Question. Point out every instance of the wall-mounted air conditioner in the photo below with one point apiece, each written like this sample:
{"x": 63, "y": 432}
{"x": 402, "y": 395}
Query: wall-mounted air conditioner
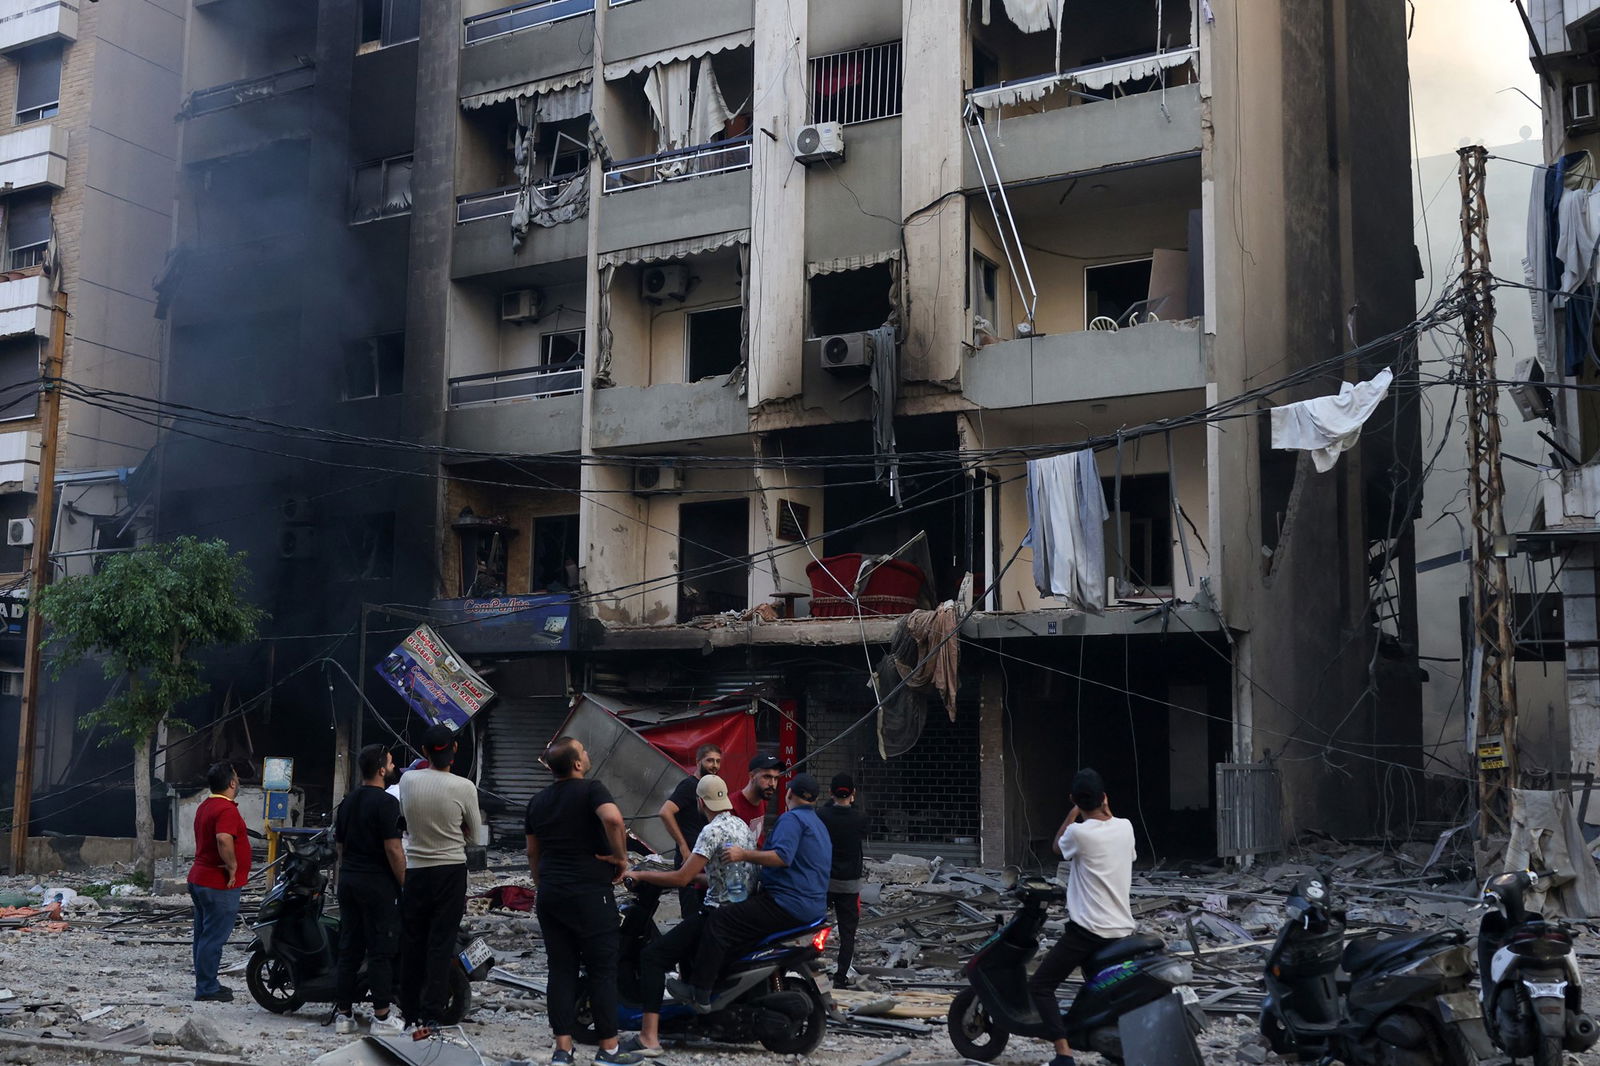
{"x": 520, "y": 305}
{"x": 19, "y": 532}
{"x": 844, "y": 351}
{"x": 658, "y": 284}
{"x": 296, "y": 542}
{"x": 655, "y": 478}
{"x": 821, "y": 142}
{"x": 296, "y": 509}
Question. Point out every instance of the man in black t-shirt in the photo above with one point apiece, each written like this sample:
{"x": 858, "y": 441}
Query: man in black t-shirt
{"x": 847, "y": 829}
{"x": 372, "y": 867}
{"x": 682, "y": 818}
{"x": 576, "y": 852}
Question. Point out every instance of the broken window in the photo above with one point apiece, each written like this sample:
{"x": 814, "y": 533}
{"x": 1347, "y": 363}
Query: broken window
{"x": 1115, "y": 291}
{"x": 19, "y": 374}
{"x": 38, "y": 82}
{"x": 375, "y": 366}
{"x": 848, "y": 301}
{"x": 386, "y": 22}
{"x": 714, "y": 341}
{"x": 364, "y": 546}
{"x": 860, "y": 85}
{"x": 713, "y": 557}
{"x": 1143, "y": 528}
{"x": 985, "y": 295}
{"x": 381, "y": 190}
{"x": 27, "y": 218}
{"x": 1278, "y": 469}
{"x": 561, "y": 349}
{"x": 555, "y": 553}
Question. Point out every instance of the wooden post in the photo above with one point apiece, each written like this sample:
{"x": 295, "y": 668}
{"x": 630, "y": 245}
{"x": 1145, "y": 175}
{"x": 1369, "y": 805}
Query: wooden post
{"x": 38, "y": 578}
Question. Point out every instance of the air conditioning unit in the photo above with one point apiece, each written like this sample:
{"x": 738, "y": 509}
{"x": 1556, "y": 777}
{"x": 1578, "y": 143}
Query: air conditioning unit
{"x": 658, "y": 284}
{"x": 19, "y": 532}
{"x": 296, "y": 509}
{"x": 1529, "y": 393}
{"x": 295, "y": 542}
{"x": 655, "y": 478}
{"x": 844, "y": 351}
{"x": 520, "y": 305}
{"x": 821, "y": 142}
{"x": 1583, "y": 101}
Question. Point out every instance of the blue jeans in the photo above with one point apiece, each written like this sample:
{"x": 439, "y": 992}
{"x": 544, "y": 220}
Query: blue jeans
{"x": 214, "y": 912}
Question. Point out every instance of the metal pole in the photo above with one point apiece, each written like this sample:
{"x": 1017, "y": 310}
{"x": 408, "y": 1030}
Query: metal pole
{"x": 38, "y": 577}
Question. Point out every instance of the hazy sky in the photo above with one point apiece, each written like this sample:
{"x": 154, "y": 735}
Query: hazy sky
{"x": 1463, "y": 53}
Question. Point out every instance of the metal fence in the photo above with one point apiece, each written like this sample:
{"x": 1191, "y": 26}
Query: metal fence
{"x": 860, "y": 85}
{"x": 519, "y": 17}
{"x": 697, "y": 161}
{"x": 1249, "y": 809}
{"x": 235, "y": 93}
{"x": 516, "y": 384}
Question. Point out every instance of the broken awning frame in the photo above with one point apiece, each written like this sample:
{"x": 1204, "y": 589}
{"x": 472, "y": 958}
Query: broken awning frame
{"x": 852, "y": 262}
{"x": 638, "y": 64}
{"x": 561, "y": 94}
{"x": 668, "y": 250}
{"x": 1091, "y": 78}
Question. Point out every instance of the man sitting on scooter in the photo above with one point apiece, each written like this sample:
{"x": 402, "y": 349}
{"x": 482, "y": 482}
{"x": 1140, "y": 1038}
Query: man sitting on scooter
{"x": 1100, "y": 848}
{"x": 795, "y": 878}
{"x": 727, "y": 882}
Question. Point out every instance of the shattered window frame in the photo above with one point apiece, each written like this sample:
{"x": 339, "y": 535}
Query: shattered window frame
{"x": 381, "y": 360}
{"x": 393, "y": 190}
{"x": 377, "y": 20}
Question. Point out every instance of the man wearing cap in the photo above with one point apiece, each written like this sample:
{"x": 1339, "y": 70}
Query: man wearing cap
{"x": 751, "y": 802}
{"x": 847, "y": 829}
{"x": 794, "y": 874}
{"x": 727, "y": 882}
{"x": 680, "y": 814}
{"x": 441, "y": 813}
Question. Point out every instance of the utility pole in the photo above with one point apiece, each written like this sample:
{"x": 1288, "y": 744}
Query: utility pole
{"x": 38, "y": 578}
{"x": 1495, "y": 694}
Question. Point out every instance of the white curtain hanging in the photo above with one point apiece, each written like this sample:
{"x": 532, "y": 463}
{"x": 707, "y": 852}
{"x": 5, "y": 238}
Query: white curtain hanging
{"x": 710, "y": 112}
{"x": 667, "y": 89}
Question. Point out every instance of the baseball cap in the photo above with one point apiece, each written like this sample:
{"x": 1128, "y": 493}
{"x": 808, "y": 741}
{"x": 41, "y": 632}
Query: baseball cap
{"x": 765, "y": 762}
{"x": 842, "y": 783}
{"x": 805, "y": 786}
{"x": 713, "y": 792}
{"x": 438, "y": 737}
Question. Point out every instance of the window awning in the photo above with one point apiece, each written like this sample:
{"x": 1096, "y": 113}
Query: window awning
{"x": 1093, "y": 78}
{"x": 851, "y": 262}
{"x": 623, "y": 67}
{"x": 655, "y": 253}
{"x": 549, "y": 87}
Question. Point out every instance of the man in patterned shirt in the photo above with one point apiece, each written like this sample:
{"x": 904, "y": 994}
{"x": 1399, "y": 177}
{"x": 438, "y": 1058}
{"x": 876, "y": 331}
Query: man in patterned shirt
{"x": 727, "y": 882}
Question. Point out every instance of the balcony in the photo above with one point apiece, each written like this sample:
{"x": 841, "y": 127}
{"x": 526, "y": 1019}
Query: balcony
{"x": 27, "y": 22}
{"x": 531, "y": 426}
{"x": 1085, "y": 137}
{"x": 34, "y": 157}
{"x": 25, "y": 305}
{"x": 676, "y": 195}
{"x": 525, "y": 43}
{"x": 246, "y": 115}
{"x": 482, "y": 243}
{"x": 640, "y": 27}
{"x": 1064, "y": 367}
{"x": 669, "y": 413}
{"x": 534, "y": 382}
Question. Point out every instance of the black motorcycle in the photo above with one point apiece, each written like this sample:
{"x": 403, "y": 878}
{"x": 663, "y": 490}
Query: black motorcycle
{"x": 1122, "y": 977}
{"x": 294, "y": 956}
{"x": 1400, "y": 1001}
{"x": 767, "y": 995}
{"x": 1532, "y": 994}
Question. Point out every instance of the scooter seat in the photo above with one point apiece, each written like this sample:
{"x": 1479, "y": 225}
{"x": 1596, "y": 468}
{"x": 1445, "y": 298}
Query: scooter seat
{"x": 1369, "y": 953}
{"x": 797, "y": 931}
{"x": 1127, "y": 948}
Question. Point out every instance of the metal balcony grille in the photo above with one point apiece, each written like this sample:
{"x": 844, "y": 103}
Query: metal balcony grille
{"x": 1249, "y": 809}
{"x": 235, "y": 93}
{"x": 475, "y": 389}
{"x": 520, "y": 17}
{"x": 860, "y": 85}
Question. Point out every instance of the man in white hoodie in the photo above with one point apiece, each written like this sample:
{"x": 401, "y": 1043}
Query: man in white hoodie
{"x": 1100, "y": 848}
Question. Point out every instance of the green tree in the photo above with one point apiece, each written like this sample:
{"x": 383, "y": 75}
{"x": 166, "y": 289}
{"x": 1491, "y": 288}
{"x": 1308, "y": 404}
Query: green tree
{"x": 144, "y": 614}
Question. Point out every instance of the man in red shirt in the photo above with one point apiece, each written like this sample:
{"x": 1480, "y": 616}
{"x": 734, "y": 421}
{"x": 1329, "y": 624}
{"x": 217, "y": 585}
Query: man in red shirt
{"x": 750, "y": 802}
{"x": 216, "y": 880}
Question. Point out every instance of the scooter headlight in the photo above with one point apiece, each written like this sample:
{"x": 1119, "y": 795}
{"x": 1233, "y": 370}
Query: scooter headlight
{"x": 1173, "y": 972}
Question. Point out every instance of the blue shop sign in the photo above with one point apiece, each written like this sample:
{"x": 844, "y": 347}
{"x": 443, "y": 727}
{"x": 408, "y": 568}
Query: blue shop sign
{"x": 508, "y": 623}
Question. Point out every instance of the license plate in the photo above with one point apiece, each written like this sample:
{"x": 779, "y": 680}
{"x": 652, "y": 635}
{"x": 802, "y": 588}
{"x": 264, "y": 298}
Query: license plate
{"x": 1188, "y": 995}
{"x": 477, "y": 953}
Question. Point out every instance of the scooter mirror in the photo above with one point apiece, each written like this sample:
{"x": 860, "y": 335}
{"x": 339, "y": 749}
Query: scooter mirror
{"x": 1009, "y": 876}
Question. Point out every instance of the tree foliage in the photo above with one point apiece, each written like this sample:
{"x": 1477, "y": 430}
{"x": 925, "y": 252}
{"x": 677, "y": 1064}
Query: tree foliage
{"x": 144, "y": 614}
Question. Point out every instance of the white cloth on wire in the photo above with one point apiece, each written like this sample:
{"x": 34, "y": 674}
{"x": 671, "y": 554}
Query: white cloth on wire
{"x": 1535, "y": 270}
{"x": 1329, "y": 425}
{"x": 1066, "y": 529}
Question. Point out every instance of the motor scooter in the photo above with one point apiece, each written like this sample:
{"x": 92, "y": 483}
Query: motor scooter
{"x": 1400, "y": 1001}
{"x": 293, "y": 958}
{"x": 1122, "y": 977}
{"x": 1532, "y": 993}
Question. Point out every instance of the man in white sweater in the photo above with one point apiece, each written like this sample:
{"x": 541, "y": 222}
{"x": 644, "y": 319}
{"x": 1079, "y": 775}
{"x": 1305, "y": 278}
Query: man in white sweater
{"x": 441, "y": 813}
{"x": 1100, "y": 848}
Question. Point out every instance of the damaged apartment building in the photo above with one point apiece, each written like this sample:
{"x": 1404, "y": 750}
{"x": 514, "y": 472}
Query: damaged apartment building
{"x": 639, "y": 328}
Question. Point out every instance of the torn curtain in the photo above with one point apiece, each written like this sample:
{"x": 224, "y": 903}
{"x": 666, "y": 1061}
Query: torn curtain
{"x": 1066, "y": 529}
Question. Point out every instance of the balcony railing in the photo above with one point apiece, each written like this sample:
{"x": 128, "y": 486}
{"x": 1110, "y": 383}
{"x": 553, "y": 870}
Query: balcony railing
{"x": 520, "y": 17}
{"x": 716, "y": 158}
{"x": 496, "y": 203}
{"x": 532, "y": 382}
{"x": 234, "y": 93}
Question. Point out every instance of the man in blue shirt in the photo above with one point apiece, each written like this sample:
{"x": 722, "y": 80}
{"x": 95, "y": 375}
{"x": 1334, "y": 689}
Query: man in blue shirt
{"x": 794, "y": 877}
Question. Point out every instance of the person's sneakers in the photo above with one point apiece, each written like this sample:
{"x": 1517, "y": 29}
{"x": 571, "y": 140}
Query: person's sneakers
{"x": 390, "y": 1026}
{"x": 1062, "y": 1060}
{"x": 221, "y": 995}
{"x": 617, "y": 1057}
{"x": 702, "y": 999}
{"x": 561, "y": 1058}
{"x": 635, "y": 1046}
{"x": 343, "y": 1024}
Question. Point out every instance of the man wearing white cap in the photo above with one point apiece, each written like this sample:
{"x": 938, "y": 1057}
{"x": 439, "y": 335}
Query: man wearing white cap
{"x": 727, "y": 882}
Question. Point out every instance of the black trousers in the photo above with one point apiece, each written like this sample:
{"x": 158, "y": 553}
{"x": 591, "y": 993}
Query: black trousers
{"x": 691, "y": 900}
{"x": 1075, "y": 948}
{"x": 579, "y": 924}
{"x": 431, "y": 906}
{"x": 735, "y": 928}
{"x": 847, "y": 910}
{"x": 369, "y": 930}
{"x": 676, "y": 945}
